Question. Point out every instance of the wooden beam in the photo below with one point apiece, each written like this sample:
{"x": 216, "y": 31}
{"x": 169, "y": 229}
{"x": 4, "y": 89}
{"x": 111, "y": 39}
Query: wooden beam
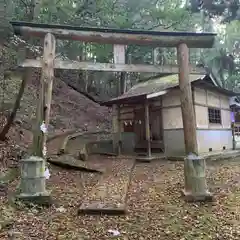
{"x": 116, "y": 36}
{"x": 112, "y": 67}
{"x": 194, "y": 166}
{"x": 157, "y": 94}
{"x": 147, "y": 128}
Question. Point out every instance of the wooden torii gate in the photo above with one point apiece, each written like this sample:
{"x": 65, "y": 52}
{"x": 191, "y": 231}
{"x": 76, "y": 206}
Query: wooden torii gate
{"x": 194, "y": 189}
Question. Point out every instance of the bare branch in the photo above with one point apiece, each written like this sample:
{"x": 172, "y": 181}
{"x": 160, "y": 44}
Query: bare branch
{"x": 24, "y": 3}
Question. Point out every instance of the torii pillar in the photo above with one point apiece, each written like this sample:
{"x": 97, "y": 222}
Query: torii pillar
{"x": 194, "y": 166}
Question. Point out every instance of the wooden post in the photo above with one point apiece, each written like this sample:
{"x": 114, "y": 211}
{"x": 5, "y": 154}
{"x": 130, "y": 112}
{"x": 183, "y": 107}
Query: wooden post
{"x": 189, "y": 122}
{"x": 233, "y": 134}
{"x": 147, "y": 128}
{"x": 119, "y": 58}
{"x": 194, "y": 166}
{"x": 48, "y": 74}
{"x": 33, "y": 168}
{"x": 45, "y": 95}
{"x": 115, "y": 129}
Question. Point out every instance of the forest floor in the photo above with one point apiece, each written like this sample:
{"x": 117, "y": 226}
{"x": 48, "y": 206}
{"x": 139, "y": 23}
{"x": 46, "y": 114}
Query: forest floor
{"x": 155, "y": 207}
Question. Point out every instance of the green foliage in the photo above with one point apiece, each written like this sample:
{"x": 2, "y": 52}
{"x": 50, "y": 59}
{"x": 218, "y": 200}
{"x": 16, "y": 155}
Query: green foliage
{"x": 135, "y": 14}
{"x": 224, "y": 59}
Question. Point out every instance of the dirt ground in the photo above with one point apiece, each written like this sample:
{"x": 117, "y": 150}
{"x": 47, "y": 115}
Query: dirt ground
{"x": 155, "y": 207}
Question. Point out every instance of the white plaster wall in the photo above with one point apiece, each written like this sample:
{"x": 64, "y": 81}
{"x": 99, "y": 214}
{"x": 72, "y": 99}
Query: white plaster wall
{"x": 215, "y": 136}
{"x": 172, "y": 98}
{"x": 200, "y": 96}
{"x": 172, "y": 115}
{"x": 226, "y": 118}
{"x": 215, "y": 139}
{"x": 224, "y": 102}
{"x": 213, "y": 99}
{"x": 172, "y": 118}
{"x": 205, "y": 99}
{"x": 201, "y": 114}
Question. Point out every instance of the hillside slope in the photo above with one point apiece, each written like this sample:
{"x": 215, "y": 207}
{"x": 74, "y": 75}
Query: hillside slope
{"x": 69, "y": 109}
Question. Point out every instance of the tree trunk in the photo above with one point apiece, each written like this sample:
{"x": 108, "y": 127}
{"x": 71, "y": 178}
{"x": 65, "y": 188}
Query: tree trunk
{"x": 35, "y": 4}
{"x": 12, "y": 116}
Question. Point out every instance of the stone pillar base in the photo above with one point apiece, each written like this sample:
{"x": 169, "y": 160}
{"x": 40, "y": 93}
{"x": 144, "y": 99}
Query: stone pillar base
{"x": 197, "y": 197}
{"x": 43, "y": 199}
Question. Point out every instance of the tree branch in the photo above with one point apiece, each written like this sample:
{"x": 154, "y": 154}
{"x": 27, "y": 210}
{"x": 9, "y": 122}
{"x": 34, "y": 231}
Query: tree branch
{"x": 24, "y": 3}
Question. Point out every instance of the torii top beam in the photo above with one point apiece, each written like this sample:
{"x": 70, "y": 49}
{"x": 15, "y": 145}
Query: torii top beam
{"x": 116, "y": 36}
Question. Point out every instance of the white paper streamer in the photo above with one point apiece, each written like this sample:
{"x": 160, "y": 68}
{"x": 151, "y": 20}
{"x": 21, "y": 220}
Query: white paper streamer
{"x": 47, "y": 173}
{"x": 43, "y": 127}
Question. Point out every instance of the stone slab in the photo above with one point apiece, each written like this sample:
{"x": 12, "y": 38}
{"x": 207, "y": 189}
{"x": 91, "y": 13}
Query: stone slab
{"x": 109, "y": 195}
{"x": 145, "y": 159}
{"x": 43, "y": 199}
{"x": 69, "y": 162}
{"x": 190, "y": 197}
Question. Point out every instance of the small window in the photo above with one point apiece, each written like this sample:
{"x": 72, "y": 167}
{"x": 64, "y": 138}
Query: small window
{"x": 214, "y": 115}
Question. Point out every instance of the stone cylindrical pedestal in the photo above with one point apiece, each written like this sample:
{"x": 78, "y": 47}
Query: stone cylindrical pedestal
{"x": 195, "y": 179}
{"x": 33, "y": 181}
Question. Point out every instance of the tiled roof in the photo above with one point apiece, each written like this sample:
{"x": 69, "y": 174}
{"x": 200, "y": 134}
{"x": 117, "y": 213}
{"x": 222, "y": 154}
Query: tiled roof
{"x": 159, "y": 84}
{"x": 155, "y": 85}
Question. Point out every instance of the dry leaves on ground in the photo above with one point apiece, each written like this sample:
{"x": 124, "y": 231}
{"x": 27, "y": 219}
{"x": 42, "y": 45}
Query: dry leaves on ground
{"x": 156, "y": 210}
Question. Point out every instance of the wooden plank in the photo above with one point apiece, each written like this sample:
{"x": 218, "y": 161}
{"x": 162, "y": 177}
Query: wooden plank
{"x": 127, "y": 116}
{"x": 112, "y": 67}
{"x": 109, "y": 195}
{"x": 157, "y": 94}
{"x": 126, "y": 111}
{"x": 69, "y": 162}
{"x": 117, "y": 36}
